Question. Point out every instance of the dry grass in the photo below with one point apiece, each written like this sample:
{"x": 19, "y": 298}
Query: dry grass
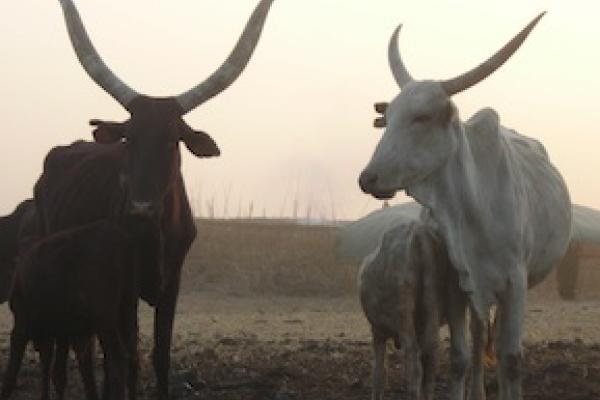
{"x": 267, "y": 257}
{"x": 271, "y": 257}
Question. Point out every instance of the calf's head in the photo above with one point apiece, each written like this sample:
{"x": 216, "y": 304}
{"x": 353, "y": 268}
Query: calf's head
{"x": 422, "y": 122}
{"x": 152, "y": 134}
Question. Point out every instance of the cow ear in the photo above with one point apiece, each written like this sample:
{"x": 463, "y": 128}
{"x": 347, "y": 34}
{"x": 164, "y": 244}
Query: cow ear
{"x": 200, "y": 143}
{"x": 107, "y": 132}
{"x": 380, "y": 108}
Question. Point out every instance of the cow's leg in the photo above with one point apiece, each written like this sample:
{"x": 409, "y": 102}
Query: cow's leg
{"x": 477, "y": 388}
{"x": 429, "y": 354}
{"x": 133, "y": 369}
{"x": 379, "y": 364}
{"x": 459, "y": 358}
{"x": 105, "y": 382}
{"x": 59, "y": 369}
{"x": 85, "y": 350}
{"x": 510, "y": 316}
{"x": 18, "y": 343}
{"x": 163, "y": 331}
{"x": 115, "y": 363}
{"x": 129, "y": 332}
{"x": 46, "y": 352}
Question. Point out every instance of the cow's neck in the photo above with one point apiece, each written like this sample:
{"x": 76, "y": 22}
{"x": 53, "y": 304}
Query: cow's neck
{"x": 465, "y": 197}
{"x": 452, "y": 190}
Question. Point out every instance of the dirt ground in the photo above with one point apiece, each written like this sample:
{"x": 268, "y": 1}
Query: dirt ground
{"x": 288, "y": 348}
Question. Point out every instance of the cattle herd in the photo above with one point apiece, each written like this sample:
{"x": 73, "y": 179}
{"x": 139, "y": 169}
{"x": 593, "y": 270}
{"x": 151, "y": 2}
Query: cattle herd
{"x": 110, "y": 224}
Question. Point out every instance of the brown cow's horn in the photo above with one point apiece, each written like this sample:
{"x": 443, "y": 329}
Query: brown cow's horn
{"x": 91, "y": 60}
{"x": 397, "y": 66}
{"x": 231, "y": 69}
{"x": 484, "y": 70}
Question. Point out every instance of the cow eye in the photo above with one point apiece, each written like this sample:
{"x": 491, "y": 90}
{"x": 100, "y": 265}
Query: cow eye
{"x": 421, "y": 119}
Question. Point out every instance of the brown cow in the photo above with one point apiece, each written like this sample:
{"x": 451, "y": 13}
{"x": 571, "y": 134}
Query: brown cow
{"x": 69, "y": 286}
{"x": 135, "y": 171}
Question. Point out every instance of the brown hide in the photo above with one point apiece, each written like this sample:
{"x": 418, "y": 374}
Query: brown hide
{"x": 73, "y": 284}
{"x": 14, "y": 228}
{"x": 81, "y": 183}
{"x": 151, "y": 159}
{"x": 136, "y": 171}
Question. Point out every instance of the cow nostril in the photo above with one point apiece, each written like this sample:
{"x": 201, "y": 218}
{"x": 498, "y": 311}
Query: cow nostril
{"x": 367, "y": 181}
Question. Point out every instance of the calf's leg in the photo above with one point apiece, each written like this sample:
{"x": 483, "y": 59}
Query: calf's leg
{"x": 459, "y": 359}
{"x": 59, "y": 369}
{"x": 85, "y": 350}
{"x": 429, "y": 354}
{"x": 477, "y": 388}
{"x": 115, "y": 363}
{"x": 18, "y": 343}
{"x": 129, "y": 331}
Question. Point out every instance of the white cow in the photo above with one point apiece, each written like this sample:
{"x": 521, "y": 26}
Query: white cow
{"x": 405, "y": 286}
{"x": 502, "y": 208}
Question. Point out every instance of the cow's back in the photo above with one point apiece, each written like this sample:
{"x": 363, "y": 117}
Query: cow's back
{"x": 79, "y": 185}
{"x": 69, "y": 277}
{"x": 548, "y": 215}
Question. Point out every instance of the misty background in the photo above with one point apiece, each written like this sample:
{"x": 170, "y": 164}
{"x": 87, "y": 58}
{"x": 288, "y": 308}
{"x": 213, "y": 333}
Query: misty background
{"x": 296, "y": 128}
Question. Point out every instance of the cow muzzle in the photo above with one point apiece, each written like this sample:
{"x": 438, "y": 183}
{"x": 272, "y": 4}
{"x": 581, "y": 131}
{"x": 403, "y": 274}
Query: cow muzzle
{"x": 144, "y": 209}
{"x": 368, "y": 182}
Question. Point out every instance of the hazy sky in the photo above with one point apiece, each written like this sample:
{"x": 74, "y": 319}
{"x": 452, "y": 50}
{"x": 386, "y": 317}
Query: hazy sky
{"x": 298, "y": 123}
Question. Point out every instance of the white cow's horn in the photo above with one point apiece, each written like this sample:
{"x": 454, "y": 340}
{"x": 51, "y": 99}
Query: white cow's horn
{"x": 396, "y": 65}
{"x": 231, "y": 69}
{"x": 482, "y": 71}
{"x": 91, "y": 60}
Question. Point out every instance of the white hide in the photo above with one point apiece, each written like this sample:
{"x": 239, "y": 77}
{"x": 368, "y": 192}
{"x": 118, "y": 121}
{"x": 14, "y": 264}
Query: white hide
{"x": 382, "y": 275}
{"x": 357, "y": 239}
{"x": 502, "y": 207}
{"x": 403, "y": 287}
{"x": 409, "y": 257}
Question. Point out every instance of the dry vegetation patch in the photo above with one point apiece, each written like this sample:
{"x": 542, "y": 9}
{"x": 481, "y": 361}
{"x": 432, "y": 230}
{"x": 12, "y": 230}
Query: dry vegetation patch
{"x": 267, "y": 257}
{"x": 279, "y": 257}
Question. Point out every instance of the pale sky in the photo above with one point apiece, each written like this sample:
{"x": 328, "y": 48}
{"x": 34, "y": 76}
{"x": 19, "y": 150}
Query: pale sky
{"x": 298, "y": 123}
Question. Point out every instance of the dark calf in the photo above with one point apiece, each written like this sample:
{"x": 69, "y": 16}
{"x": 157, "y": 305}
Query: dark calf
{"x": 13, "y": 229}
{"x": 69, "y": 286}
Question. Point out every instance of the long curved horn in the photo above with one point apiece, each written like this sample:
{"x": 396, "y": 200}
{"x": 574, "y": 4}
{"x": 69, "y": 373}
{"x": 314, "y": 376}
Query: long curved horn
{"x": 485, "y": 69}
{"x": 231, "y": 69}
{"x": 91, "y": 60}
{"x": 397, "y": 66}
